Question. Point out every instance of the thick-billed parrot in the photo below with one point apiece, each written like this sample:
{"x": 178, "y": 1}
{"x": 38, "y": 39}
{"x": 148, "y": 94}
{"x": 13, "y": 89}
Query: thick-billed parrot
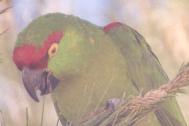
{"x": 83, "y": 66}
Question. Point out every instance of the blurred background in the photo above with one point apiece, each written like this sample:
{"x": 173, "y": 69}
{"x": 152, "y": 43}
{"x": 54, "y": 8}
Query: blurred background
{"x": 164, "y": 24}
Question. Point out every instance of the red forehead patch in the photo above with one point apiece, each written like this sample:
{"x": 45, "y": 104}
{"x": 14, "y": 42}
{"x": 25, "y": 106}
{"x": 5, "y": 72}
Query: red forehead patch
{"x": 32, "y": 57}
{"x": 52, "y": 38}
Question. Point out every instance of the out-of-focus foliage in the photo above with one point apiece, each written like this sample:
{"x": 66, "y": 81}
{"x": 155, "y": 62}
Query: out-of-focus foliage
{"x": 164, "y": 24}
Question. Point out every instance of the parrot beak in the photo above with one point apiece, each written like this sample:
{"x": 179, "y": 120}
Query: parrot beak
{"x": 41, "y": 80}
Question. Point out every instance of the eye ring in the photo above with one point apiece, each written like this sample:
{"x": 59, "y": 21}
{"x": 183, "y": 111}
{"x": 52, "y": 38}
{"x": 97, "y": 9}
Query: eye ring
{"x": 53, "y": 49}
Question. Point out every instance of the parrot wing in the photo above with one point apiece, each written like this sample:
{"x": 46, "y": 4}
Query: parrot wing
{"x": 144, "y": 70}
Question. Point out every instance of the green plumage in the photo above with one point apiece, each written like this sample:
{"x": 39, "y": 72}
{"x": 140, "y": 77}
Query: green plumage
{"x": 95, "y": 66}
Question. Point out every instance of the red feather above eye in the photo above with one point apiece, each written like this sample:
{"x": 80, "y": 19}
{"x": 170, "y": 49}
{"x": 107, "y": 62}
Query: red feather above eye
{"x": 30, "y": 56}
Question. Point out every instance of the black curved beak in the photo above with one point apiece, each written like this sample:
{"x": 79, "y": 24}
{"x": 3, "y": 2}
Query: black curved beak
{"x": 41, "y": 80}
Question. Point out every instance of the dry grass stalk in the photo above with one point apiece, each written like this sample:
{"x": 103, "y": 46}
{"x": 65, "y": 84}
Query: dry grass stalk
{"x": 137, "y": 108}
{"x": 43, "y": 111}
{"x": 2, "y": 119}
{"x": 58, "y": 120}
{"x": 27, "y": 117}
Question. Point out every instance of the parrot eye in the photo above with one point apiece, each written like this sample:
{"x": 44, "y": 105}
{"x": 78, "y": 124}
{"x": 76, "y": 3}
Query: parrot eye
{"x": 53, "y": 49}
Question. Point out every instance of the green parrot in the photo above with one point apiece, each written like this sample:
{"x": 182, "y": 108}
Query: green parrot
{"x": 83, "y": 66}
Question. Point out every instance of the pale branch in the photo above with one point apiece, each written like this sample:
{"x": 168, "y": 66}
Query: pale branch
{"x": 134, "y": 110}
{"x": 1, "y": 12}
{"x": 5, "y": 9}
{"x": 4, "y": 31}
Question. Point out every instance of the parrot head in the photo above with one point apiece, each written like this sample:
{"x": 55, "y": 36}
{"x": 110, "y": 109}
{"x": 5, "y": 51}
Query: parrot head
{"x": 47, "y": 48}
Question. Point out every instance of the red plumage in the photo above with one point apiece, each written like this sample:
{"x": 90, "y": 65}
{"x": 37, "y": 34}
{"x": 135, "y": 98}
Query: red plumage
{"x": 112, "y": 25}
{"x": 32, "y": 57}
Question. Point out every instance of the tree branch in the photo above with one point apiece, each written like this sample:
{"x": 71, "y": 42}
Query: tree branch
{"x": 129, "y": 113}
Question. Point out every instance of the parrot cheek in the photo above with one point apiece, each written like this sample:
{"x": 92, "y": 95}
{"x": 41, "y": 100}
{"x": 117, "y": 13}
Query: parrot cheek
{"x": 41, "y": 80}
